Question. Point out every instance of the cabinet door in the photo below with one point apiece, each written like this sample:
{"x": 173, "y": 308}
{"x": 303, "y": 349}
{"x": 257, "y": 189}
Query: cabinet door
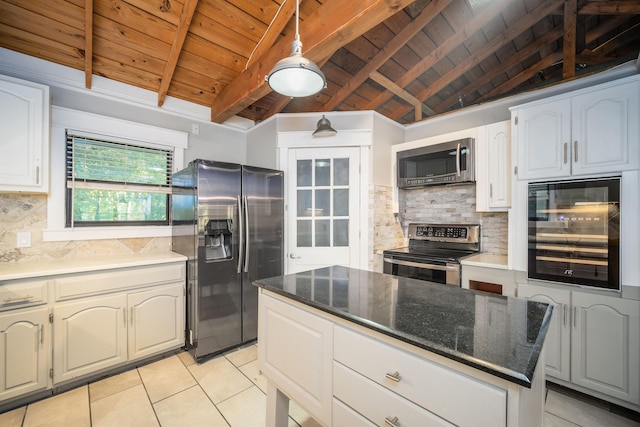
{"x": 24, "y": 346}
{"x": 89, "y": 335}
{"x": 543, "y": 136}
{"x": 295, "y": 353}
{"x": 557, "y": 352}
{"x": 24, "y": 130}
{"x": 605, "y": 345}
{"x": 605, "y": 130}
{"x": 499, "y": 144}
{"x": 156, "y": 321}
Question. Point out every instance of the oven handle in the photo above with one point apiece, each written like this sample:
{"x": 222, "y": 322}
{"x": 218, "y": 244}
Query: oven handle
{"x": 423, "y": 265}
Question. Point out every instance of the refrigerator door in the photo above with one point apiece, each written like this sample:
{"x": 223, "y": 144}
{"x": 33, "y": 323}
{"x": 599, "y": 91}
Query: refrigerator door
{"x": 218, "y": 296}
{"x": 263, "y": 203}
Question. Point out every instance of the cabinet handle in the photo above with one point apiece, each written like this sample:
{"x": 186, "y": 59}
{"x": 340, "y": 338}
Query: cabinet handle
{"x": 575, "y": 151}
{"x": 18, "y": 299}
{"x": 491, "y": 191}
{"x": 37, "y": 175}
{"x": 393, "y": 377}
{"x": 574, "y": 318}
{"x": 41, "y": 334}
{"x": 131, "y": 317}
{"x": 393, "y": 422}
{"x": 124, "y": 315}
{"x": 564, "y": 314}
{"x": 565, "y": 153}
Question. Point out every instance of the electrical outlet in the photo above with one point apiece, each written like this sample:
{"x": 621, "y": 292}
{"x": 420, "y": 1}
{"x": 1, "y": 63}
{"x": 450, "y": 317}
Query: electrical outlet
{"x": 23, "y": 239}
{"x": 195, "y": 128}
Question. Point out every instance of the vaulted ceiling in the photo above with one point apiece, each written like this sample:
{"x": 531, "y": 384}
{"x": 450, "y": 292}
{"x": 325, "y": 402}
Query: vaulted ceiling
{"x": 406, "y": 59}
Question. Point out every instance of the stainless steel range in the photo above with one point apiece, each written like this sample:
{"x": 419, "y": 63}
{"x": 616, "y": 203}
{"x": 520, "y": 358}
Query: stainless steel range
{"x": 434, "y": 252}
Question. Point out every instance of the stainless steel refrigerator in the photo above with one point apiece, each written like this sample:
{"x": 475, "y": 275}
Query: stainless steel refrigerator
{"x": 228, "y": 219}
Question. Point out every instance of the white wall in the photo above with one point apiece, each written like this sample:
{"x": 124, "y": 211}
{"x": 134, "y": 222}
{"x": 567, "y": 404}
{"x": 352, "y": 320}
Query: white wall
{"x": 121, "y": 101}
{"x": 262, "y": 144}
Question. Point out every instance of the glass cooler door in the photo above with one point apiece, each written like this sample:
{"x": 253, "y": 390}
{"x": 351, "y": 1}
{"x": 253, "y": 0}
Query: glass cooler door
{"x": 574, "y": 232}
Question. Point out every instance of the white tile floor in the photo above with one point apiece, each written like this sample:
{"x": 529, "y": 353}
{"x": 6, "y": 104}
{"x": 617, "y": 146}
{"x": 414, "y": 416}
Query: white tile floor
{"x": 226, "y": 391}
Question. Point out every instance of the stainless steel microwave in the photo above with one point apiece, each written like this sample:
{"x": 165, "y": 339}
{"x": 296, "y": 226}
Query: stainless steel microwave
{"x": 444, "y": 163}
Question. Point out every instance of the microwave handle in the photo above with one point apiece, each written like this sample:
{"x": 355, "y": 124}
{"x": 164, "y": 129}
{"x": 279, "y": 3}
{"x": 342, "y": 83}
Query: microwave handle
{"x": 458, "y": 160}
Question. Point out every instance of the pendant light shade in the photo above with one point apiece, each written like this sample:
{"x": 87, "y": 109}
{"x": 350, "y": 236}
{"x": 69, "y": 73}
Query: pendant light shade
{"x": 296, "y": 76}
{"x": 324, "y": 128}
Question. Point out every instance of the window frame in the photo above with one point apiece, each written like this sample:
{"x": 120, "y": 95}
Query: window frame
{"x": 111, "y": 129}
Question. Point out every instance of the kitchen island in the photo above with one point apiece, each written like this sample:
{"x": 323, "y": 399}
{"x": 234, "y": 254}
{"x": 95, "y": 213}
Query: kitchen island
{"x": 360, "y": 348}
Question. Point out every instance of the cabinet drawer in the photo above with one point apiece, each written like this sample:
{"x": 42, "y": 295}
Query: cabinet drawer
{"x": 345, "y": 416}
{"x": 20, "y": 294}
{"x": 377, "y": 403}
{"x": 429, "y": 384}
{"x": 84, "y": 284}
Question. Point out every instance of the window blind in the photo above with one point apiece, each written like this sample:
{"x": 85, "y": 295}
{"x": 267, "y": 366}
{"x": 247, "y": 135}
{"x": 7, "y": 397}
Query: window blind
{"x": 105, "y": 165}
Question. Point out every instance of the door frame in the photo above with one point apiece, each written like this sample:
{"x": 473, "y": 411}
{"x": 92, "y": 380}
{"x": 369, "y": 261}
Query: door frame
{"x": 345, "y": 138}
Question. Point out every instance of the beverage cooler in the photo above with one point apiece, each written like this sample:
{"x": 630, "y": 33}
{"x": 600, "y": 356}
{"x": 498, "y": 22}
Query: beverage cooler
{"x": 574, "y": 232}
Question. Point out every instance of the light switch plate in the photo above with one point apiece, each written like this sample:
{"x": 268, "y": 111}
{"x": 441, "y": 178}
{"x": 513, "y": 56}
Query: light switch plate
{"x": 24, "y": 239}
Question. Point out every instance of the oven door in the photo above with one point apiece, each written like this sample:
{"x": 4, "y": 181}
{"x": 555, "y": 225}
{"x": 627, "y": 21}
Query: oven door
{"x": 436, "y": 271}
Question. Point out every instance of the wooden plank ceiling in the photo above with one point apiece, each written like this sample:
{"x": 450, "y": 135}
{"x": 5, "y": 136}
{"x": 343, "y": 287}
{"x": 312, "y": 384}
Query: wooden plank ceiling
{"x": 406, "y": 59}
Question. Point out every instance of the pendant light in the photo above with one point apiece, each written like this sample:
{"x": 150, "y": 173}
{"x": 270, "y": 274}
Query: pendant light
{"x": 296, "y": 76}
{"x": 324, "y": 128}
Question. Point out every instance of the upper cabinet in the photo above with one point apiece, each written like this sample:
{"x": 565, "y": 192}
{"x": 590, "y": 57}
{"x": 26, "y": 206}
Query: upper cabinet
{"x": 493, "y": 167}
{"x": 589, "y": 131}
{"x": 24, "y": 136}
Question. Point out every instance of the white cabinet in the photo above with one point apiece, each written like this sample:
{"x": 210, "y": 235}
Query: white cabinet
{"x": 343, "y": 376}
{"x": 593, "y": 341}
{"x": 24, "y": 350}
{"x": 493, "y": 167}
{"x": 430, "y": 386}
{"x": 156, "y": 321}
{"x": 97, "y": 333}
{"x": 558, "y": 340}
{"x": 295, "y": 353}
{"x": 24, "y": 136}
{"x": 590, "y": 131}
{"x": 89, "y": 335}
{"x": 605, "y": 344}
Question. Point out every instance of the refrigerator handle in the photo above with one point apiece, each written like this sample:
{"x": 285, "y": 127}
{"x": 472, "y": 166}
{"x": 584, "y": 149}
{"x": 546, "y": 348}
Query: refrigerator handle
{"x": 246, "y": 235}
{"x": 240, "y": 229}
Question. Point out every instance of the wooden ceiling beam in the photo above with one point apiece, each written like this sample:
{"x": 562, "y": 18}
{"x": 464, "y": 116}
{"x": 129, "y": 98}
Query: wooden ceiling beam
{"x": 475, "y": 25}
{"x": 88, "y": 43}
{"x": 490, "y": 48}
{"x": 188, "y": 9}
{"x": 431, "y": 11}
{"x": 334, "y": 24}
{"x": 569, "y": 40}
{"x": 610, "y": 7}
{"x": 401, "y": 93}
{"x": 525, "y": 75}
{"x": 273, "y": 32}
{"x": 511, "y": 61}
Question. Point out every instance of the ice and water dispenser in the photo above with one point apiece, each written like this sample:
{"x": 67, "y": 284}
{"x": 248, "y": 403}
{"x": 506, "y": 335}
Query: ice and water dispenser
{"x": 217, "y": 238}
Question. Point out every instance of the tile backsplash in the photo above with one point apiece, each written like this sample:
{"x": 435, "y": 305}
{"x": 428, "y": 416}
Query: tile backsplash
{"x": 28, "y": 212}
{"x": 454, "y": 204}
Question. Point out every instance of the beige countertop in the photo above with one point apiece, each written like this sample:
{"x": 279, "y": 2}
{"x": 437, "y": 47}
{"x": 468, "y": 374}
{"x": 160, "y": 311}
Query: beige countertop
{"x": 486, "y": 260}
{"x": 24, "y": 270}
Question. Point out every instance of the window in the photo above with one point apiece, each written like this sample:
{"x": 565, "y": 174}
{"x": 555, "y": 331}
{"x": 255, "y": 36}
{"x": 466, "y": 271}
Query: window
{"x": 114, "y": 183}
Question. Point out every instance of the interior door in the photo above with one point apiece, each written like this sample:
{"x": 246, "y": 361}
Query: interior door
{"x": 323, "y": 209}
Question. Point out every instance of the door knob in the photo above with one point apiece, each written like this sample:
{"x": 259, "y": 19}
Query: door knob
{"x": 293, "y": 256}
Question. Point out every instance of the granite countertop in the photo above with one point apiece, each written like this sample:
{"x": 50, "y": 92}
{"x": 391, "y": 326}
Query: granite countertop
{"x": 25, "y": 270}
{"x": 497, "y": 334}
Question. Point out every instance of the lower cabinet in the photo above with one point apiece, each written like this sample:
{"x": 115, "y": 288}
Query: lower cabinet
{"x": 24, "y": 352}
{"x": 343, "y": 377}
{"x": 593, "y": 341}
{"x": 89, "y": 335}
{"x": 97, "y": 333}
